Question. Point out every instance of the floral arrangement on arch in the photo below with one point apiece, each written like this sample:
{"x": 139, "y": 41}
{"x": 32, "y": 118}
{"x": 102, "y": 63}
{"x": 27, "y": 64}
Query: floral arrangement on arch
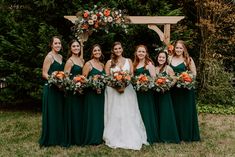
{"x": 97, "y": 19}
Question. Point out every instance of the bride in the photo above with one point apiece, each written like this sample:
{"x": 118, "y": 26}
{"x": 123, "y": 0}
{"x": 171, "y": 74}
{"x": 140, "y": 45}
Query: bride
{"x": 123, "y": 126}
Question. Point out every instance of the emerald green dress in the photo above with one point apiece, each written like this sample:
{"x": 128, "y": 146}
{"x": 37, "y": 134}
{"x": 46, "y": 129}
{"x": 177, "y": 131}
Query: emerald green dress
{"x": 52, "y": 112}
{"x": 185, "y": 110}
{"x": 148, "y": 110}
{"x": 167, "y": 123}
{"x": 74, "y": 113}
{"x": 93, "y": 123}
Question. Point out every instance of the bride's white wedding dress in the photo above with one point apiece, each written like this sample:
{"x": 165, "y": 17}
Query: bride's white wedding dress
{"x": 123, "y": 125}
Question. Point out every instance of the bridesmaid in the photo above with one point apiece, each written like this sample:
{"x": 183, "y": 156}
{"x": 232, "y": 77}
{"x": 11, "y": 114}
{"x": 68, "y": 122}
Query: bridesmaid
{"x": 52, "y": 100}
{"x": 184, "y": 99}
{"x": 143, "y": 65}
{"x": 74, "y": 102}
{"x": 167, "y": 124}
{"x": 93, "y": 103}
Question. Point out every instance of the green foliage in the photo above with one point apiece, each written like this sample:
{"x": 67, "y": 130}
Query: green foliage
{"x": 216, "y": 109}
{"x": 218, "y": 88}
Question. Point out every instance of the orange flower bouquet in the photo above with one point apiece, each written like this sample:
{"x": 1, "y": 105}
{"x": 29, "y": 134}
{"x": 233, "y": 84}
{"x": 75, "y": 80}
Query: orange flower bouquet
{"x": 119, "y": 80}
{"x": 57, "y": 78}
{"x": 80, "y": 82}
{"x": 186, "y": 80}
{"x": 142, "y": 82}
{"x": 97, "y": 82}
{"x": 162, "y": 83}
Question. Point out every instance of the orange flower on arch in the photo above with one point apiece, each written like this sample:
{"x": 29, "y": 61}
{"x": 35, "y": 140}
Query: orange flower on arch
{"x": 107, "y": 12}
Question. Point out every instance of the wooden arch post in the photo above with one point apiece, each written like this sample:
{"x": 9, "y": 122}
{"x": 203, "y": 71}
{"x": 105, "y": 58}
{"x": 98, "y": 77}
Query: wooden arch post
{"x": 151, "y": 21}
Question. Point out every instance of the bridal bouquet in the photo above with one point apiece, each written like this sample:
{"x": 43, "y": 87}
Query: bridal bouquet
{"x": 80, "y": 82}
{"x": 186, "y": 80}
{"x": 162, "y": 83}
{"x": 119, "y": 80}
{"x": 97, "y": 82}
{"x": 142, "y": 82}
{"x": 57, "y": 78}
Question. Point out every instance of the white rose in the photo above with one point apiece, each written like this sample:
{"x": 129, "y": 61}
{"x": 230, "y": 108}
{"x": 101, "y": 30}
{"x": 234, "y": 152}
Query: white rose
{"x": 90, "y": 22}
{"x": 110, "y": 19}
{"x": 94, "y": 17}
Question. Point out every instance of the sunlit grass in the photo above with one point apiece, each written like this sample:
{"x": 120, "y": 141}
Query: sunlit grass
{"x": 20, "y": 131}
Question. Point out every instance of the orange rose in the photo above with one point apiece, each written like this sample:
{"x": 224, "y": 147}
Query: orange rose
{"x": 184, "y": 74}
{"x": 128, "y": 77}
{"x": 143, "y": 78}
{"x": 188, "y": 79}
{"x": 161, "y": 80}
{"x": 86, "y": 14}
{"x": 60, "y": 75}
{"x": 85, "y": 26}
{"x": 170, "y": 47}
{"x": 77, "y": 79}
{"x": 107, "y": 12}
{"x": 96, "y": 25}
{"x": 118, "y": 77}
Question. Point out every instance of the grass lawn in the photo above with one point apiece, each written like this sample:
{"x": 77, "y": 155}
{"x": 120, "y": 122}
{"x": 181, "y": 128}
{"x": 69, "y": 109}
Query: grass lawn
{"x": 20, "y": 131}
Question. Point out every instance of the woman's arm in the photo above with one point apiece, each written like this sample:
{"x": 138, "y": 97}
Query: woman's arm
{"x": 107, "y": 67}
{"x": 68, "y": 66}
{"x": 86, "y": 69}
{"x": 192, "y": 67}
{"x": 46, "y": 65}
{"x": 151, "y": 69}
{"x": 131, "y": 67}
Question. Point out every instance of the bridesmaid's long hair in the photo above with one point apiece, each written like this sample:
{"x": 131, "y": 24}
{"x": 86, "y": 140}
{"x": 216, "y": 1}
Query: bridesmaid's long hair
{"x": 113, "y": 55}
{"x": 69, "y": 48}
{"x": 147, "y": 58}
{"x": 165, "y": 64}
{"x": 187, "y": 58}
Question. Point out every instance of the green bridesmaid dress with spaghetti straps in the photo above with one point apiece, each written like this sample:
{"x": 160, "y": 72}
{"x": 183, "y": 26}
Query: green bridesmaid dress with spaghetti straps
{"x": 185, "y": 110}
{"x": 52, "y": 112}
{"x": 93, "y": 124}
{"x": 167, "y": 124}
{"x": 74, "y": 104}
{"x": 148, "y": 110}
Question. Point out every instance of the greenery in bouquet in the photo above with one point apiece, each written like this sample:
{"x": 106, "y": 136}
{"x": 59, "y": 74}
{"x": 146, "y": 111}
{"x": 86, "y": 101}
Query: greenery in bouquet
{"x": 142, "y": 82}
{"x": 186, "y": 80}
{"x": 119, "y": 80}
{"x": 57, "y": 78}
{"x": 98, "y": 18}
{"x": 80, "y": 83}
{"x": 162, "y": 83}
{"x": 97, "y": 82}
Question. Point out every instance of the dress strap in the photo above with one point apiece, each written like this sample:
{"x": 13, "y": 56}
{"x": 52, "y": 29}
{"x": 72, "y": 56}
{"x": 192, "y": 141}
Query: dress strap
{"x": 71, "y": 61}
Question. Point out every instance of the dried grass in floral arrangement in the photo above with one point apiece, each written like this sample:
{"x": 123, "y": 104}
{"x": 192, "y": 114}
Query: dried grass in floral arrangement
{"x": 162, "y": 83}
{"x": 142, "y": 82}
{"x": 80, "y": 83}
{"x": 186, "y": 80}
{"x": 119, "y": 80}
{"x": 97, "y": 82}
{"x": 57, "y": 78}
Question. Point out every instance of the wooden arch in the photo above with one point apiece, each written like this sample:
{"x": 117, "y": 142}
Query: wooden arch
{"x": 151, "y": 21}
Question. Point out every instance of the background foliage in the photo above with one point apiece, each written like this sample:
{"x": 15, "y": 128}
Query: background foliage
{"x": 27, "y": 26}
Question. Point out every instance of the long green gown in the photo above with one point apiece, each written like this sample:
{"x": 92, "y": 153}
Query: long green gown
{"x": 148, "y": 110}
{"x": 74, "y": 113}
{"x": 167, "y": 123}
{"x": 185, "y": 110}
{"x": 93, "y": 123}
{"x": 52, "y": 112}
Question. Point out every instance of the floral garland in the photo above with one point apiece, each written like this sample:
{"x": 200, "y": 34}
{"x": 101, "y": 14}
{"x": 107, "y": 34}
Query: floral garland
{"x": 98, "y": 19}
